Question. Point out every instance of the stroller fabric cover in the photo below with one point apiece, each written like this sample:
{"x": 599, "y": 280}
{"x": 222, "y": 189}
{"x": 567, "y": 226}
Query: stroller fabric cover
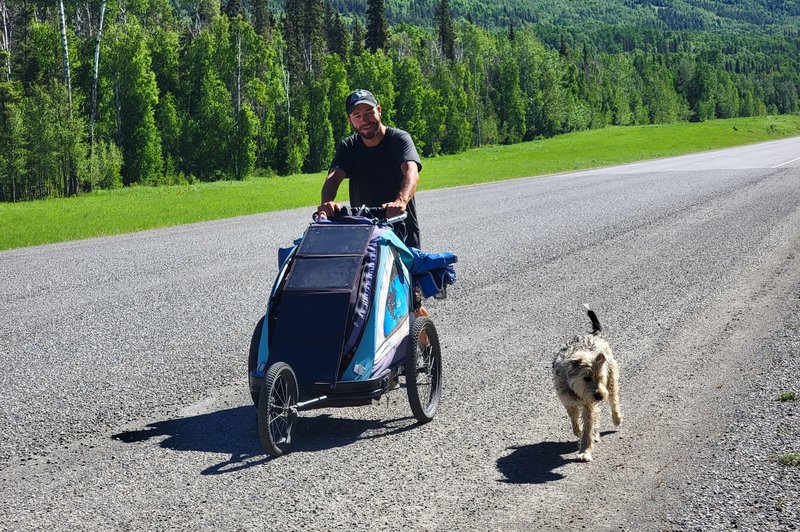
{"x": 345, "y": 292}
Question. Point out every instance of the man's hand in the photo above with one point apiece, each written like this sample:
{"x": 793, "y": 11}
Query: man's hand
{"x": 394, "y": 208}
{"x": 328, "y": 209}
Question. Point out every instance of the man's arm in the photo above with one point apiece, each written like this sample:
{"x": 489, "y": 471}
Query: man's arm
{"x": 330, "y": 187}
{"x": 407, "y": 189}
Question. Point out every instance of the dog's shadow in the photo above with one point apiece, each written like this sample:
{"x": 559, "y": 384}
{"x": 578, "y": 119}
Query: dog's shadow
{"x": 537, "y": 463}
{"x": 234, "y": 432}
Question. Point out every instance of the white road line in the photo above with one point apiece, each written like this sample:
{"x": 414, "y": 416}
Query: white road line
{"x": 787, "y": 162}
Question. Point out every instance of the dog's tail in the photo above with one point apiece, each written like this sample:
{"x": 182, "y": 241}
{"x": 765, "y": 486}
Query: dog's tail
{"x": 596, "y": 327}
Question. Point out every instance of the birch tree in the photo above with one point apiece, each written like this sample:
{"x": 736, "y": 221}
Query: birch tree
{"x": 95, "y": 72}
{"x": 65, "y": 49}
{"x": 5, "y": 41}
{"x": 71, "y": 174}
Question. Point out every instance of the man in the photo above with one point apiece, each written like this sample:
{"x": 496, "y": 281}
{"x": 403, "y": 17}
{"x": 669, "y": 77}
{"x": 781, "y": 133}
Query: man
{"x": 381, "y": 163}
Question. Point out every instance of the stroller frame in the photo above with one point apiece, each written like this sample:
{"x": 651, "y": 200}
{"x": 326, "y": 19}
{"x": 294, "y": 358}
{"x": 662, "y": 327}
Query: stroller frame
{"x": 340, "y": 328}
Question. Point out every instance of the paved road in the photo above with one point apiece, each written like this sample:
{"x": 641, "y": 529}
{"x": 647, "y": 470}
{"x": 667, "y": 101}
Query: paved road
{"x": 123, "y": 390}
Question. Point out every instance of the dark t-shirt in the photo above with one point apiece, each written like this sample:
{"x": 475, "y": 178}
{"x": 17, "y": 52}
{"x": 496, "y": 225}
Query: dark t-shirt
{"x": 375, "y": 174}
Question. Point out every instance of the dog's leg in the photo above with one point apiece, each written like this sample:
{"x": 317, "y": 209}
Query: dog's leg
{"x": 613, "y": 393}
{"x": 589, "y": 428}
{"x": 575, "y": 419}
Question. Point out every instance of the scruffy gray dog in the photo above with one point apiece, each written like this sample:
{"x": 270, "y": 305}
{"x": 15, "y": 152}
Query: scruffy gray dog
{"x": 585, "y": 374}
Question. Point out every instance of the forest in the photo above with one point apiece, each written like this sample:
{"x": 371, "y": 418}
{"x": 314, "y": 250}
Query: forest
{"x": 98, "y": 94}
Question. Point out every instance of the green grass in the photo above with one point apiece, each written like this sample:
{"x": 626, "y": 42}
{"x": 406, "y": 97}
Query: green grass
{"x": 785, "y": 397}
{"x": 137, "y": 208}
{"x": 788, "y": 459}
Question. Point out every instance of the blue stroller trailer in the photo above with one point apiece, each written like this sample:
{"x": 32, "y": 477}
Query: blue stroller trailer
{"x": 340, "y": 327}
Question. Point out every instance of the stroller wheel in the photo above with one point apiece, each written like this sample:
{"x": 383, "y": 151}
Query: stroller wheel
{"x": 276, "y": 418}
{"x": 423, "y": 369}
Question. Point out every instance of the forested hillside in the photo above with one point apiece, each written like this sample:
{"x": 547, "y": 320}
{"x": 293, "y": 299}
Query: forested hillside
{"x": 731, "y": 15}
{"x": 100, "y": 94}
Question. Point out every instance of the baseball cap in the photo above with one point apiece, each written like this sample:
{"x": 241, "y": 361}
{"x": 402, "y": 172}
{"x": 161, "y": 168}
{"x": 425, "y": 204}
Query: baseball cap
{"x": 359, "y": 96}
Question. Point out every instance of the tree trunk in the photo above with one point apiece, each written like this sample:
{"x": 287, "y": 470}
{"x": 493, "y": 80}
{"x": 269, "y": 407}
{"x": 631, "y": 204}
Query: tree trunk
{"x": 6, "y": 43}
{"x": 287, "y": 92}
{"x": 71, "y": 175}
{"x": 239, "y": 70}
{"x": 65, "y": 48}
{"x": 94, "y": 79}
{"x": 238, "y": 154}
{"x": 117, "y": 109}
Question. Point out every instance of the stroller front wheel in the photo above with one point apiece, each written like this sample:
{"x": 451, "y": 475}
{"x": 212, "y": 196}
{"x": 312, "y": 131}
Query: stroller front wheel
{"x": 423, "y": 369}
{"x": 276, "y": 413}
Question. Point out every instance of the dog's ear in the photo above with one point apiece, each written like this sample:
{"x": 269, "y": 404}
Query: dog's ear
{"x": 600, "y": 359}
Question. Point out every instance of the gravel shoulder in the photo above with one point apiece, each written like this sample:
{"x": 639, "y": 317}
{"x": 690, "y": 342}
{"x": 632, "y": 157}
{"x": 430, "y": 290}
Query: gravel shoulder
{"x": 740, "y": 485}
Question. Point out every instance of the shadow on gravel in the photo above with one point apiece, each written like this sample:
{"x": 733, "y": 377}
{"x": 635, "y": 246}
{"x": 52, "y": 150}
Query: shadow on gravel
{"x": 536, "y": 464}
{"x": 234, "y": 432}
{"x": 315, "y": 433}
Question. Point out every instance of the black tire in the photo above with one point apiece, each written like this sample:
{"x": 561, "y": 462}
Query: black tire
{"x": 276, "y": 417}
{"x": 252, "y": 358}
{"x": 423, "y": 370}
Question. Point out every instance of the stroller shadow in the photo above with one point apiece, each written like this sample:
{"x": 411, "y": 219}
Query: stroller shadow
{"x": 537, "y": 463}
{"x": 234, "y": 432}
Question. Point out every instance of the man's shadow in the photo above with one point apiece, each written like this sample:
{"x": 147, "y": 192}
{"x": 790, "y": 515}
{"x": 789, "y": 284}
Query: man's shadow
{"x": 537, "y": 463}
{"x": 234, "y": 432}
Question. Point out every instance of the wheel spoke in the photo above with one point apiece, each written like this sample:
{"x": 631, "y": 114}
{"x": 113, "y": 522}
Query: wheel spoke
{"x": 280, "y": 392}
{"x": 423, "y": 375}
{"x": 279, "y": 411}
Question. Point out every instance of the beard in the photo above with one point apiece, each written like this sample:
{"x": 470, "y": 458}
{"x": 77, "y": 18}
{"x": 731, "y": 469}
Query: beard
{"x": 368, "y": 132}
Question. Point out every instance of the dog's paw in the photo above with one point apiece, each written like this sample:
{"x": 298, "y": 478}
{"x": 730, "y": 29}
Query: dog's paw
{"x": 585, "y": 456}
{"x": 616, "y": 417}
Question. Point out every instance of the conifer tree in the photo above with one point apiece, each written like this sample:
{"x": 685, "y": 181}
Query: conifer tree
{"x": 446, "y": 34}
{"x": 263, "y": 20}
{"x": 377, "y": 26}
{"x": 358, "y": 38}
{"x": 292, "y": 38}
{"x": 336, "y": 35}
{"x": 233, "y": 8}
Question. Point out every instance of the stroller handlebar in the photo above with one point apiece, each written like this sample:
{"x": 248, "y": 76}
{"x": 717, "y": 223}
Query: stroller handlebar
{"x": 377, "y": 214}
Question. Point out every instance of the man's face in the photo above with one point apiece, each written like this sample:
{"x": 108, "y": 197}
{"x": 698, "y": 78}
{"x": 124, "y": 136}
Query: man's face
{"x": 366, "y": 120}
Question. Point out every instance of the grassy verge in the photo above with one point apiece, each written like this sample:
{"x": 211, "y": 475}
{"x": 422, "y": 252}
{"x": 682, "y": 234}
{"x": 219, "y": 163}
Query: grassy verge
{"x": 137, "y": 208}
{"x": 785, "y": 397}
{"x": 788, "y": 459}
